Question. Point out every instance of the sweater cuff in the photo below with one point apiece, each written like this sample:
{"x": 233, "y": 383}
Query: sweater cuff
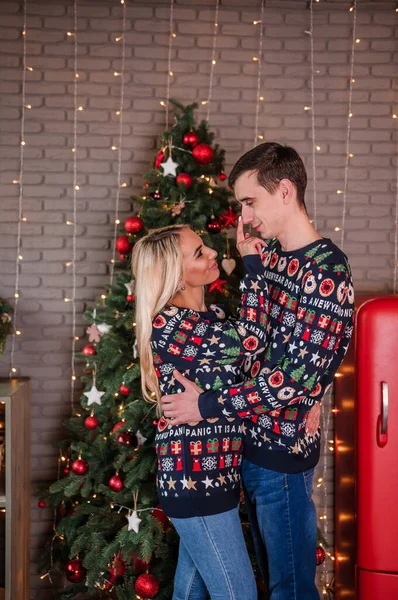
{"x": 253, "y": 265}
{"x": 208, "y": 405}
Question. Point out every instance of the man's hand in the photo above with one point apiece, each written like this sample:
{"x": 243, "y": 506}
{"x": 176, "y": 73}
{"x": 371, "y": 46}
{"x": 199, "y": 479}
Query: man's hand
{"x": 247, "y": 244}
{"x": 313, "y": 419}
{"x": 183, "y": 407}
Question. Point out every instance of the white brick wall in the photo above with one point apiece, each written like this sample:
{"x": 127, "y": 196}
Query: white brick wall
{"x": 43, "y": 351}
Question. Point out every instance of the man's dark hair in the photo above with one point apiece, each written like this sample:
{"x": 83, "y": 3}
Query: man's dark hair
{"x": 273, "y": 162}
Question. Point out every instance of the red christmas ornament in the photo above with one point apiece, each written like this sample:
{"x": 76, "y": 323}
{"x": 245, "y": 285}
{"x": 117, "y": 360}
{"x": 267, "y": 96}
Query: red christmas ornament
{"x": 89, "y": 350}
{"x": 185, "y": 179}
{"x": 203, "y": 154}
{"x": 320, "y": 555}
{"x": 217, "y": 285}
{"x": 146, "y": 185}
{"x": 128, "y": 438}
{"x": 139, "y": 565}
{"x": 123, "y": 244}
{"x": 121, "y": 257}
{"x": 146, "y": 585}
{"x": 118, "y": 426}
{"x": 74, "y": 571}
{"x": 42, "y": 504}
{"x": 155, "y": 423}
{"x": 161, "y": 517}
{"x": 190, "y": 139}
{"x": 134, "y": 225}
{"x": 222, "y": 176}
{"x": 118, "y": 568}
{"x": 130, "y": 297}
{"x": 66, "y": 470}
{"x": 229, "y": 218}
{"x": 116, "y": 483}
{"x": 214, "y": 225}
{"x": 156, "y": 195}
{"x": 80, "y": 466}
{"x": 159, "y": 159}
{"x": 91, "y": 422}
{"x": 124, "y": 390}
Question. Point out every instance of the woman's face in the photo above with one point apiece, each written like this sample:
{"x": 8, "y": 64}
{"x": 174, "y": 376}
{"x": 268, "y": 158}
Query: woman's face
{"x": 200, "y": 266}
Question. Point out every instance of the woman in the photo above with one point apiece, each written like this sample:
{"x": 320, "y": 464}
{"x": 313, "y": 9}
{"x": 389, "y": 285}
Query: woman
{"x": 199, "y": 464}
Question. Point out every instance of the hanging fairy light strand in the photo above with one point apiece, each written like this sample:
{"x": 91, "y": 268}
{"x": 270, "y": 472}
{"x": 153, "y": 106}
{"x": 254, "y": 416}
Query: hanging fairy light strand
{"x": 213, "y": 61}
{"x": 326, "y": 412}
{"x": 169, "y": 71}
{"x": 75, "y": 190}
{"x": 348, "y": 155}
{"x": 311, "y": 35}
{"x": 260, "y": 54}
{"x": 120, "y": 143}
{"x": 21, "y": 218}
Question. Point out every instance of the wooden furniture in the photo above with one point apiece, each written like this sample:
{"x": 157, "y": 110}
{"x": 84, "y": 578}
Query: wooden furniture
{"x": 15, "y": 398}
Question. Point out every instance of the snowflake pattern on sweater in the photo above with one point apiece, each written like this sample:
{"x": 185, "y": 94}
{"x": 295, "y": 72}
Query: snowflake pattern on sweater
{"x": 309, "y": 326}
{"x": 199, "y": 463}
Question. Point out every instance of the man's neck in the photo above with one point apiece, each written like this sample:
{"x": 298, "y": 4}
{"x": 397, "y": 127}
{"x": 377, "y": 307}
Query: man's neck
{"x": 297, "y": 233}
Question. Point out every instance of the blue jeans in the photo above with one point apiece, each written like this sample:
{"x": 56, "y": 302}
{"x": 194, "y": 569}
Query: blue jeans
{"x": 213, "y": 560}
{"x": 282, "y": 519}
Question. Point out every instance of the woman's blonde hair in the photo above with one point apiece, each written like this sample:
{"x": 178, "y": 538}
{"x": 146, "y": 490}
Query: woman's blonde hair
{"x": 157, "y": 264}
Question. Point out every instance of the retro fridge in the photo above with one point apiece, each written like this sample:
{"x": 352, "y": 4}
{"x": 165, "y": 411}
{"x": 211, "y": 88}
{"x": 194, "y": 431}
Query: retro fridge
{"x": 376, "y": 368}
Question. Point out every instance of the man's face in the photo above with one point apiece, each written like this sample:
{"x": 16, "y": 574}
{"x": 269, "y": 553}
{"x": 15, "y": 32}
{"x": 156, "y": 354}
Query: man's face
{"x": 265, "y": 212}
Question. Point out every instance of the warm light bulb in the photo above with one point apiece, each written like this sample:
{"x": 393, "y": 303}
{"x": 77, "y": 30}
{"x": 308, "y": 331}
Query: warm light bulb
{"x": 114, "y": 148}
{"x": 173, "y": 35}
{"x": 28, "y": 106}
{"x": 117, "y": 221}
{"x": 162, "y": 103}
{"x": 394, "y": 116}
{"x": 116, "y": 73}
{"x": 339, "y": 192}
{"x": 69, "y": 33}
{"x": 261, "y": 97}
{"x": 18, "y": 332}
{"x": 16, "y": 295}
{"x": 24, "y": 219}
{"x": 357, "y": 40}
{"x": 318, "y": 148}
{"x": 23, "y": 143}
{"x": 337, "y": 229}
{"x": 77, "y": 187}
{"x": 20, "y": 257}
{"x": 204, "y": 102}
{"x": 255, "y": 58}
{"x": 79, "y": 108}
{"x": 256, "y": 22}
{"x": 213, "y": 62}
{"x": 307, "y": 107}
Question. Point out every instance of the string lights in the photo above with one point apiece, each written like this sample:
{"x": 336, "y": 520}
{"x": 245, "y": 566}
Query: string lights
{"x": 213, "y": 61}
{"x": 394, "y": 288}
{"x": 348, "y": 154}
{"x": 311, "y": 35}
{"x": 21, "y": 219}
{"x": 259, "y": 60}
{"x": 169, "y": 71}
{"x": 120, "y": 143}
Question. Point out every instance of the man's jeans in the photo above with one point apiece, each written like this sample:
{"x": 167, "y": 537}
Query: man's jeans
{"x": 282, "y": 519}
{"x": 213, "y": 560}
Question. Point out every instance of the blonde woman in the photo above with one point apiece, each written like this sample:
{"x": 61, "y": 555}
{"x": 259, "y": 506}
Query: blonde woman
{"x": 198, "y": 464}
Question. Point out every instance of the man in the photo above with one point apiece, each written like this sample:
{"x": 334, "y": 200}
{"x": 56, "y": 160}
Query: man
{"x": 310, "y": 319}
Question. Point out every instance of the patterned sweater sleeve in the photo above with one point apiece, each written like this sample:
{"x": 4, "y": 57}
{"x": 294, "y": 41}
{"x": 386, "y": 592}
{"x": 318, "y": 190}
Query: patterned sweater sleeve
{"x": 187, "y": 340}
{"x": 312, "y": 354}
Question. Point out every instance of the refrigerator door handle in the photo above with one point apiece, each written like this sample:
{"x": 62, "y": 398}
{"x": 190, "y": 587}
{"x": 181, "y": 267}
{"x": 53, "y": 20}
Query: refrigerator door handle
{"x": 384, "y": 414}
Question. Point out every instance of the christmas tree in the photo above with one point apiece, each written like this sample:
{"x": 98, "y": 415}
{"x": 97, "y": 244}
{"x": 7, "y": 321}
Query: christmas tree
{"x": 110, "y": 537}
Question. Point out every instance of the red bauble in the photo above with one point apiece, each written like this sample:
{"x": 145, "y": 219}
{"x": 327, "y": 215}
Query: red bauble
{"x": 116, "y": 483}
{"x": 89, "y": 350}
{"x": 80, "y": 466}
{"x": 66, "y": 470}
{"x": 139, "y": 565}
{"x": 123, "y": 244}
{"x": 134, "y": 225}
{"x": 203, "y": 154}
{"x": 214, "y": 225}
{"x": 159, "y": 159}
{"x": 217, "y": 285}
{"x": 91, "y": 422}
{"x": 118, "y": 568}
{"x": 124, "y": 390}
{"x": 42, "y": 504}
{"x": 156, "y": 195}
{"x": 190, "y": 139}
{"x": 121, "y": 257}
{"x": 229, "y": 218}
{"x": 185, "y": 179}
{"x": 222, "y": 176}
{"x": 146, "y": 585}
{"x": 130, "y": 298}
{"x": 128, "y": 438}
{"x": 155, "y": 423}
{"x": 320, "y": 555}
{"x": 161, "y": 517}
{"x": 74, "y": 571}
{"x": 118, "y": 426}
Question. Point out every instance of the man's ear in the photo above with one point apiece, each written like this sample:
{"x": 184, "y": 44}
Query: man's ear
{"x": 286, "y": 190}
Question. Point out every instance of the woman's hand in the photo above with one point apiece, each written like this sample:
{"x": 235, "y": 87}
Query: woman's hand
{"x": 247, "y": 244}
{"x": 313, "y": 419}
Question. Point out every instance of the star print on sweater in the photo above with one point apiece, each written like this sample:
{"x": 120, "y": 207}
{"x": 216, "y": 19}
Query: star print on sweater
{"x": 199, "y": 463}
{"x": 310, "y": 323}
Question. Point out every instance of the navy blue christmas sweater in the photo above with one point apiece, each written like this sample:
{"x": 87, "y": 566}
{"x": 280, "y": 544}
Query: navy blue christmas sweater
{"x": 309, "y": 326}
{"x": 199, "y": 463}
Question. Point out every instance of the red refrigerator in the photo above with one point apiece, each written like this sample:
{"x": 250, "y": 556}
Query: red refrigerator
{"x": 377, "y": 449}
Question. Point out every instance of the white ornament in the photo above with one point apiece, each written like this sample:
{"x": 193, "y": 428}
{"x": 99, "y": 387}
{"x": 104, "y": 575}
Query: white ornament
{"x": 135, "y": 349}
{"x": 134, "y": 522}
{"x": 140, "y": 438}
{"x": 94, "y": 396}
{"x": 104, "y": 328}
{"x": 169, "y": 167}
{"x": 130, "y": 287}
{"x": 228, "y": 264}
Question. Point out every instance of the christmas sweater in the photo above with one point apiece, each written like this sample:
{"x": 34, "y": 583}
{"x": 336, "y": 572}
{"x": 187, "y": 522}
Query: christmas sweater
{"x": 199, "y": 463}
{"x": 309, "y": 326}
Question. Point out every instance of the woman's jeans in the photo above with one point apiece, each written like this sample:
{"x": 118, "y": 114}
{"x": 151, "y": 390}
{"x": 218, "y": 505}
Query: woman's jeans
{"x": 213, "y": 560}
{"x": 282, "y": 519}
